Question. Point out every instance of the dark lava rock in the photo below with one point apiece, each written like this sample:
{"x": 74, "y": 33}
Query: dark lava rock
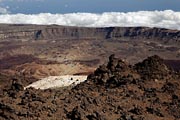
{"x": 76, "y": 114}
{"x": 152, "y": 68}
{"x": 17, "y": 85}
{"x": 114, "y": 74}
{"x": 145, "y": 91}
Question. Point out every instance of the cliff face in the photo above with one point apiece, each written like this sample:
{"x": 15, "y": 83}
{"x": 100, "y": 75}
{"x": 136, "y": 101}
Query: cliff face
{"x": 32, "y": 32}
{"x": 17, "y": 32}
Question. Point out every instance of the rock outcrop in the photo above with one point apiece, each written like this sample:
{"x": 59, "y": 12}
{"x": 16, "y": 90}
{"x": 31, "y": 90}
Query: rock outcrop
{"x": 153, "y": 67}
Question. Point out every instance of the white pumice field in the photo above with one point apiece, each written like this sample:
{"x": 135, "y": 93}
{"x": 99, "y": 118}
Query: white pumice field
{"x": 57, "y": 81}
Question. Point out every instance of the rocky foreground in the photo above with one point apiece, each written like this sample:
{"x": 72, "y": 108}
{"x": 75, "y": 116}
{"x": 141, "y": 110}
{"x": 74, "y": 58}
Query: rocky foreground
{"x": 149, "y": 90}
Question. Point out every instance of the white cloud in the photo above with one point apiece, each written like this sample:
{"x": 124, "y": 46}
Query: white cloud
{"x": 4, "y": 10}
{"x": 164, "y": 19}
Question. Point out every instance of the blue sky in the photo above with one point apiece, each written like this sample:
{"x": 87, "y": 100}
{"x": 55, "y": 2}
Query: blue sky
{"x": 91, "y": 6}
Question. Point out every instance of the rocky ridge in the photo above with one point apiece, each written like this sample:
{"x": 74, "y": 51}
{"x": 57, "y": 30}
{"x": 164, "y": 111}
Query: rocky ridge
{"x": 147, "y": 90}
{"x": 52, "y": 32}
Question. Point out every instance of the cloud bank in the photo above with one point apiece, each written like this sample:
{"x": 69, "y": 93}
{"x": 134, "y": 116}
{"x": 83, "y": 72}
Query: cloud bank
{"x": 3, "y": 10}
{"x": 164, "y": 19}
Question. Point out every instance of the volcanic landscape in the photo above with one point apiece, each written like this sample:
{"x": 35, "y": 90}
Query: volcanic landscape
{"x": 139, "y": 81}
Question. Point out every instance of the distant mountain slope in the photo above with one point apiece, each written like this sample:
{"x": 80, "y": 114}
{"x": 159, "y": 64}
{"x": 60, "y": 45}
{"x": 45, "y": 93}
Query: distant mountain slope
{"x": 41, "y": 50}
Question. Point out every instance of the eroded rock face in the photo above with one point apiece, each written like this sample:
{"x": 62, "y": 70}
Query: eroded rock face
{"x": 32, "y": 32}
{"x": 114, "y": 91}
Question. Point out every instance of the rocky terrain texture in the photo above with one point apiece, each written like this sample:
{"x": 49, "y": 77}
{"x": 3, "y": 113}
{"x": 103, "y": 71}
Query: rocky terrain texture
{"x": 148, "y": 90}
{"x": 38, "y": 51}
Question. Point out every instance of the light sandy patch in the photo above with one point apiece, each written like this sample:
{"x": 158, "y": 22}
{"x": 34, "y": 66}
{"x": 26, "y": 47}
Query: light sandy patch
{"x": 57, "y": 81}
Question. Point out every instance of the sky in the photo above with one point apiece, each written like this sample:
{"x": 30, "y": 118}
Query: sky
{"x": 87, "y": 6}
{"x": 92, "y": 13}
